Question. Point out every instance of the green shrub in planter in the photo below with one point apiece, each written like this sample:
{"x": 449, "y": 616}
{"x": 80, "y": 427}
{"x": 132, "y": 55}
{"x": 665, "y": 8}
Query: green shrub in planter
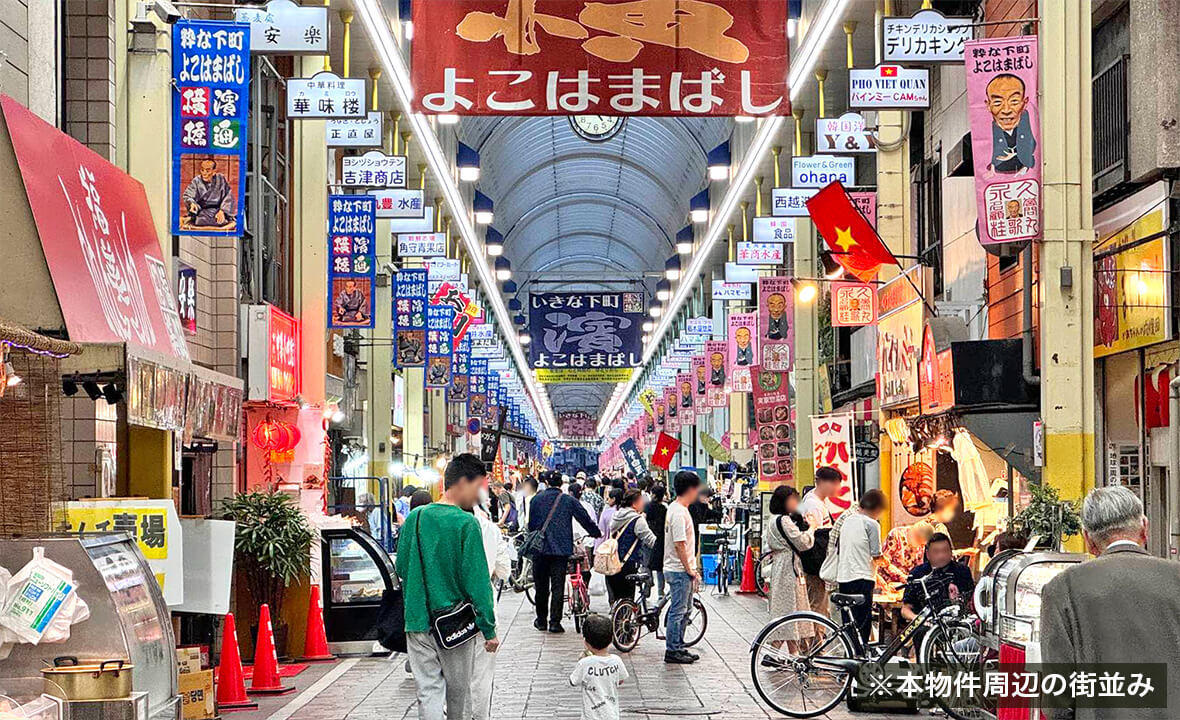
{"x": 272, "y": 544}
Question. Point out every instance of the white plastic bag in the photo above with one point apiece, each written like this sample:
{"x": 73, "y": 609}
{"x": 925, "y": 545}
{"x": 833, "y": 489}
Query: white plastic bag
{"x": 40, "y": 603}
{"x": 597, "y": 585}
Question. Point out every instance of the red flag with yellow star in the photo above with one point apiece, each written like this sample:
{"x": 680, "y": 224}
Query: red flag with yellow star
{"x": 853, "y": 241}
{"x": 666, "y": 447}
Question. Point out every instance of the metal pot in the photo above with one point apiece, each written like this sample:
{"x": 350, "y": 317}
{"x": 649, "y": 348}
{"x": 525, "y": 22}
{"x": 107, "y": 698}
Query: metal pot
{"x": 70, "y": 679}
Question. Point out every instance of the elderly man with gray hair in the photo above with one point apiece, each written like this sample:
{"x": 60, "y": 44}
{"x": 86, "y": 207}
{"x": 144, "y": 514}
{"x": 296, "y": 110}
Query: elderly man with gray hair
{"x": 1121, "y": 607}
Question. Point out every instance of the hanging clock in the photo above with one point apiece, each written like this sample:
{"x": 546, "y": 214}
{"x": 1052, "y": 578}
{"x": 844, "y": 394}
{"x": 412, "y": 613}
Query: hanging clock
{"x": 596, "y": 128}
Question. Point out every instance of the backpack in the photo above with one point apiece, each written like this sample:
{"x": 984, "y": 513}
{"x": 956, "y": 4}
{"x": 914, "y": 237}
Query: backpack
{"x": 606, "y": 555}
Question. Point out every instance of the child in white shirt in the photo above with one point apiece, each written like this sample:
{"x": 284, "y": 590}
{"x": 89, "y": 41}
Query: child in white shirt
{"x": 600, "y": 673}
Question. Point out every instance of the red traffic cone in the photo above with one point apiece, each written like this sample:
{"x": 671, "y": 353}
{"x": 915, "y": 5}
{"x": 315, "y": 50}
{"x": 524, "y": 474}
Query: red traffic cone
{"x": 231, "y": 683}
{"x": 315, "y": 640}
{"x": 266, "y": 662}
{"x": 748, "y": 584}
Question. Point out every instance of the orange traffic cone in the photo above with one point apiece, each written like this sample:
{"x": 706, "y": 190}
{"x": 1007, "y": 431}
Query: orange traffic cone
{"x": 231, "y": 683}
{"x": 315, "y": 640}
{"x": 748, "y": 584}
{"x": 266, "y": 662}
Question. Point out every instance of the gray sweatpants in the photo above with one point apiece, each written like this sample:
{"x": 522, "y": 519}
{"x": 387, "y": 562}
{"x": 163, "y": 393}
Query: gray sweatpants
{"x": 443, "y": 676}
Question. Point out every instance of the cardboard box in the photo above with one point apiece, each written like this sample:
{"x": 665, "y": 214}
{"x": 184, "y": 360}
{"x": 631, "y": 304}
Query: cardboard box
{"x": 188, "y": 659}
{"x": 196, "y": 695}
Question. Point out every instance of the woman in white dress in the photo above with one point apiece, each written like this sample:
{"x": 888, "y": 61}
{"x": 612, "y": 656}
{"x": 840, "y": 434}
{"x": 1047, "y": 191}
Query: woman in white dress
{"x": 783, "y": 537}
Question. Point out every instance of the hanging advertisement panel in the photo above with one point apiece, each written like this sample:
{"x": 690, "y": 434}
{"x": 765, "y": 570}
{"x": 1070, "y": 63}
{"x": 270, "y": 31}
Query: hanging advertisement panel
{"x": 586, "y": 331}
{"x": 775, "y": 427}
{"x": 466, "y": 312}
{"x": 409, "y": 318}
{"x": 743, "y": 349}
{"x": 210, "y": 101}
{"x": 776, "y": 334}
{"x": 832, "y": 447}
{"x": 700, "y": 383}
{"x": 1005, "y": 137}
{"x": 653, "y": 57}
{"x": 352, "y": 260}
{"x": 684, "y": 388}
{"x": 460, "y": 369}
{"x": 715, "y": 392}
{"x": 440, "y": 323}
{"x": 853, "y": 304}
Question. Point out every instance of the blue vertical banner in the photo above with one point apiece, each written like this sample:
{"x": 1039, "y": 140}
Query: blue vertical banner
{"x": 460, "y": 370}
{"x": 440, "y": 321}
{"x": 409, "y": 318}
{"x": 210, "y": 105}
{"x": 492, "y": 414}
{"x": 352, "y": 260}
{"x": 477, "y": 384}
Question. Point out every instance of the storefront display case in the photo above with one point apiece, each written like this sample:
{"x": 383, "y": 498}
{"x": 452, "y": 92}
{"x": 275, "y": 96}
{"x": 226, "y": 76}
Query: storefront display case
{"x": 358, "y": 578}
{"x": 128, "y": 620}
{"x": 1008, "y": 595}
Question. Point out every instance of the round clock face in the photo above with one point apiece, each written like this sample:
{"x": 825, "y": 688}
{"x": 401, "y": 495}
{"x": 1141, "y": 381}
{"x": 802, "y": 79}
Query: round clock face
{"x": 596, "y": 128}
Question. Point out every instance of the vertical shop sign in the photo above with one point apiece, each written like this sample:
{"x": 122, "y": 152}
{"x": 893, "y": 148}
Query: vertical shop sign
{"x": 632, "y": 457}
{"x": 466, "y": 312}
{"x": 832, "y": 447}
{"x": 715, "y": 393}
{"x": 776, "y": 334}
{"x": 775, "y": 426}
{"x": 853, "y": 304}
{"x": 210, "y": 101}
{"x": 352, "y": 260}
{"x": 186, "y": 297}
{"x": 743, "y": 349}
{"x": 283, "y": 356}
{"x": 409, "y": 318}
{"x": 1005, "y": 137}
{"x": 684, "y": 388}
{"x": 440, "y": 323}
{"x": 700, "y": 383}
{"x": 477, "y": 384}
{"x": 460, "y": 370}
{"x": 899, "y": 330}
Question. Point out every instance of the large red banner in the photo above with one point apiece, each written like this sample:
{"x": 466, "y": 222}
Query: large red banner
{"x": 619, "y": 57}
{"x": 99, "y": 241}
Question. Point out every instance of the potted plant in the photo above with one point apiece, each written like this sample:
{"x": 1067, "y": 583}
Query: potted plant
{"x": 272, "y": 544}
{"x": 1048, "y": 516}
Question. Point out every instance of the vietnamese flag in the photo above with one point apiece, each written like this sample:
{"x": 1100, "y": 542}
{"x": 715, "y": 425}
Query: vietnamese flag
{"x": 666, "y": 447}
{"x": 852, "y": 240}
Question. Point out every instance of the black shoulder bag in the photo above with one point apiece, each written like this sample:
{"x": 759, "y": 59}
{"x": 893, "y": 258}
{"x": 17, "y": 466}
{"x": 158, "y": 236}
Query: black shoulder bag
{"x": 531, "y": 545}
{"x": 812, "y": 559}
{"x": 452, "y": 626}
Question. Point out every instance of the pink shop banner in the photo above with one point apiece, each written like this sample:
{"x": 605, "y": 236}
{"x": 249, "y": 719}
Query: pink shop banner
{"x": 1005, "y": 137}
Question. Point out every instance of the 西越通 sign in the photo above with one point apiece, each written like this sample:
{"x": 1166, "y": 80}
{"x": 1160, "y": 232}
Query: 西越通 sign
{"x": 790, "y": 202}
{"x": 373, "y": 169}
{"x": 358, "y": 133}
{"x": 401, "y": 204}
{"x": 586, "y": 331}
{"x": 422, "y": 245}
{"x": 326, "y": 95}
{"x": 210, "y": 101}
{"x": 731, "y": 290}
{"x": 844, "y": 134}
{"x": 775, "y": 230}
{"x": 889, "y": 87}
{"x": 853, "y": 304}
{"x": 927, "y": 37}
{"x": 1005, "y": 137}
{"x": 648, "y": 57}
{"x": 817, "y": 171}
{"x": 352, "y": 260}
{"x": 282, "y": 27}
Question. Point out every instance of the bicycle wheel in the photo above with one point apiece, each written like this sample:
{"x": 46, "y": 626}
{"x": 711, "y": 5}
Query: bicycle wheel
{"x": 954, "y": 649}
{"x": 579, "y": 606}
{"x": 762, "y": 577}
{"x": 787, "y": 664}
{"x": 695, "y": 626}
{"x": 626, "y": 626}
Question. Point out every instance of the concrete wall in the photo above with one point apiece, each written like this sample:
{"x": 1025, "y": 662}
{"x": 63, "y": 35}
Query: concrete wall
{"x": 1155, "y": 95}
{"x": 28, "y": 39}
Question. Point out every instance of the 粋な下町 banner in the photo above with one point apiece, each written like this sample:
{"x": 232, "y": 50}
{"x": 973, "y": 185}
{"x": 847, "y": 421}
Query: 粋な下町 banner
{"x": 617, "y": 57}
{"x": 440, "y": 356}
{"x": 776, "y": 332}
{"x": 586, "y": 331}
{"x": 1005, "y": 137}
{"x": 743, "y": 349}
{"x": 352, "y": 260}
{"x": 210, "y": 101}
{"x": 409, "y": 318}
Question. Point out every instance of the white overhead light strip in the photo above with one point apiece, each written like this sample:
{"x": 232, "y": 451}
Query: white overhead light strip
{"x": 395, "y": 68}
{"x": 816, "y": 37}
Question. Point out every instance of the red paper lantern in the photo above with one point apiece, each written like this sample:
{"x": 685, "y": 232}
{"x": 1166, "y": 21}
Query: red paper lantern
{"x": 275, "y": 436}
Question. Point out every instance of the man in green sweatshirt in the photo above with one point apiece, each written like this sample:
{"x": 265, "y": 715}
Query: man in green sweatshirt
{"x": 441, "y": 545}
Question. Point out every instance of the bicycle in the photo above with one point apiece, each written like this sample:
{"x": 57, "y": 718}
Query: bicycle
{"x": 726, "y": 559}
{"x": 806, "y": 657}
{"x": 576, "y": 592}
{"x": 762, "y": 573}
{"x": 521, "y": 578}
{"x": 631, "y": 620}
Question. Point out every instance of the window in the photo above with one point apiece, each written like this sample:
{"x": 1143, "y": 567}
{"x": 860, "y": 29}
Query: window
{"x": 928, "y": 215}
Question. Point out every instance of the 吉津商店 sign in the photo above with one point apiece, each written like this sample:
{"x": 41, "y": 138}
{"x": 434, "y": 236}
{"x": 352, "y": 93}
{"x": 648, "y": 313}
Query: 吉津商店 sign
{"x": 373, "y": 169}
{"x": 889, "y": 87}
{"x": 817, "y": 171}
{"x": 646, "y": 57}
{"x": 927, "y": 37}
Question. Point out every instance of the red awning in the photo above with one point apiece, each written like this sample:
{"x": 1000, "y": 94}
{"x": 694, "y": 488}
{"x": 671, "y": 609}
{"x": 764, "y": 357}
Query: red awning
{"x": 99, "y": 241}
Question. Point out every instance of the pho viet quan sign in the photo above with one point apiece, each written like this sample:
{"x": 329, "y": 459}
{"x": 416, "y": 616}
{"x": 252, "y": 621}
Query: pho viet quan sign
{"x": 645, "y": 57}
{"x": 889, "y": 87}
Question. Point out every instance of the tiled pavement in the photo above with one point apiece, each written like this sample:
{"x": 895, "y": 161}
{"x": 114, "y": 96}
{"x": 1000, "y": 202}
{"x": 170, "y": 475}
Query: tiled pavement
{"x": 532, "y": 668}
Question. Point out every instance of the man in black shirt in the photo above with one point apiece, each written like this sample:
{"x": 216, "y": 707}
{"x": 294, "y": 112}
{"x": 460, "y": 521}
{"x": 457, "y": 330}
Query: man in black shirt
{"x": 951, "y": 581}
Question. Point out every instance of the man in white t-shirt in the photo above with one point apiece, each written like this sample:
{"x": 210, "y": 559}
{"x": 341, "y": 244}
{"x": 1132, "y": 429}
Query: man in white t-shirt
{"x": 858, "y": 542}
{"x": 815, "y": 504}
{"x": 680, "y": 565}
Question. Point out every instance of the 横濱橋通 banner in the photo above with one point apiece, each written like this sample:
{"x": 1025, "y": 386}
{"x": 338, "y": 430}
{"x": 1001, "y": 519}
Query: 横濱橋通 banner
{"x": 570, "y": 57}
{"x": 586, "y": 331}
{"x": 440, "y": 360}
{"x": 1005, "y": 137}
{"x": 409, "y": 318}
{"x": 460, "y": 361}
{"x": 210, "y": 101}
{"x": 352, "y": 260}
{"x": 477, "y": 384}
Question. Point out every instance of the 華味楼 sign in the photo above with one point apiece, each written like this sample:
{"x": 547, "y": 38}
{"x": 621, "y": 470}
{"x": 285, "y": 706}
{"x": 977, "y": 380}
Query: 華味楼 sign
{"x": 790, "y": 202}
{"x": 845, "y": 134}
{"x": 373, "y": 169}
{"x": 926, "y": 37}
{"x": 325, "y": 95}
{"x": 586, "y": 331}
{"x": 352, "y": 260}
{"x": 889, "y": 87}
{"x": 649, "y": 57}
{"x": 817, "y": 171}
{"x": 770, "y": 230}
{"x": 210, "y": 102}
